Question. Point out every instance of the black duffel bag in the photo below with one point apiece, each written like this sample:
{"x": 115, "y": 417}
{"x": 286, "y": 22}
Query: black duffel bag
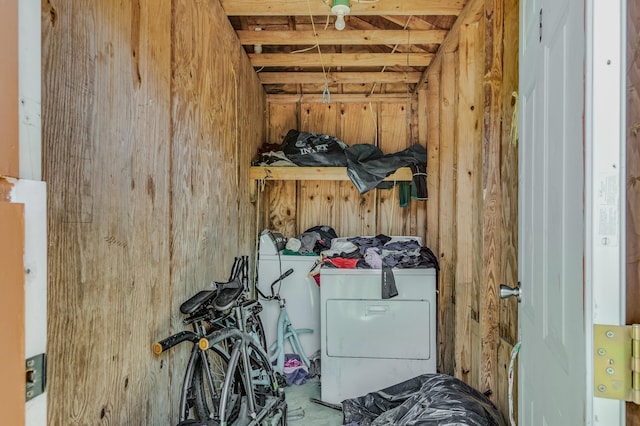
{"x": 311, "y": 149}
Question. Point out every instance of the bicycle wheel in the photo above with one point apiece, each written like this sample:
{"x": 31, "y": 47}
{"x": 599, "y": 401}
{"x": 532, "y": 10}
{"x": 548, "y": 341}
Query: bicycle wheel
{"x": 264, "y": 387}
{"x": 206, "y": 392}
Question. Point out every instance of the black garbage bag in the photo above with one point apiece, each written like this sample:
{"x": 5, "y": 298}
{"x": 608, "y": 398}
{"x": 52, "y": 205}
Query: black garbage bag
{"x": 367, "y": 166}
{"x": 429, "y": 399}
{"x": 311, "y": 149}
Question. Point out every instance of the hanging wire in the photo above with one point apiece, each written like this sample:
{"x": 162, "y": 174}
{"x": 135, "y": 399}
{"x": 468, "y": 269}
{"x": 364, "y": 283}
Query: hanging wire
{"x": 305, "y": 49}
{"x": 408, "y": 112}
{"x": 326, "y": 90}
{"x": 514, "y": 354}
{"x": 373, "y": 88}
{"x": 326, "y": 93}
{"x": 513, "y": 134}
{"x": 375, "y": 122}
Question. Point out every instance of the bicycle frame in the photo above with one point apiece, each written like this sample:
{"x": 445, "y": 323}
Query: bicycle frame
{"x": 286, "y": 331}
{"x": 233, "y": 331}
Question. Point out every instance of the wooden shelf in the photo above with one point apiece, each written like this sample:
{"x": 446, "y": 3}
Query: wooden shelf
{"x": 265, "y": 173}
{"x": 315, "y": 173}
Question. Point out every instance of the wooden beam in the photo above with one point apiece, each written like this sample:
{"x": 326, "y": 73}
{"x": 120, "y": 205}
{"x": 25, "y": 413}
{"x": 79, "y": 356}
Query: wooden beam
{"x": 336, "y": 98}
{"x": 472, "y": 12}
{"x": 316, "y": 7}
{"x": 429, "y": 126}
{"x": 315, "y": 173}
{"x": 340, "y": 59}
{"x": 338, "y": 77}
{"x": 492, "y": 220}
{"x": 468, "y": 141}
{"x": 351, "y": 37}
{"x": 447, "y": 255}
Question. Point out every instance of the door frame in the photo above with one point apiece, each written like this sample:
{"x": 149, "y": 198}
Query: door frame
{"x": 605, "y": 116}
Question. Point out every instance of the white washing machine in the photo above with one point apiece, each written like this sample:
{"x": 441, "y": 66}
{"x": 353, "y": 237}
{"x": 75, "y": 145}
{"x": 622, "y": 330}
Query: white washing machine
{"x": 301, "y": 293}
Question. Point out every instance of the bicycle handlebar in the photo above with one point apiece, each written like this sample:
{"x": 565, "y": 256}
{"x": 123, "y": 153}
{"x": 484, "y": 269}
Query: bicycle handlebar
{"x": 280, "y": 278}
{"x": 171, "y": 341}
{"x": 217, "y": 336}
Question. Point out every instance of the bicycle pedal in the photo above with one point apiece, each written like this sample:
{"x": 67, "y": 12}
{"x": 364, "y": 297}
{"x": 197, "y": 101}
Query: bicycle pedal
{"x": 295, "y": 414}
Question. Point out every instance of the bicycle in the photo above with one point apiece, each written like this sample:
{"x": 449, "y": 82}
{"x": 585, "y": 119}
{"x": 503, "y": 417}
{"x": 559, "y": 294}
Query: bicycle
{"x": 205, "y": 371}
{"x": 218, "y": 386}
{"x": 285, "y": 330}
{"x": 261, "y": 400}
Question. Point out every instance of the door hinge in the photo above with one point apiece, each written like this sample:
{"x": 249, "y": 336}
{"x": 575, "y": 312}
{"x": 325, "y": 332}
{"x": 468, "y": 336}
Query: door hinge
{"x": 36, "y": 375}
{"x": 616, "y": 362}
{"x": 540, "y": 27}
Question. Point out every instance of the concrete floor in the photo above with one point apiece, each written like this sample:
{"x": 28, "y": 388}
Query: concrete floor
{"x": 304, "y": 412}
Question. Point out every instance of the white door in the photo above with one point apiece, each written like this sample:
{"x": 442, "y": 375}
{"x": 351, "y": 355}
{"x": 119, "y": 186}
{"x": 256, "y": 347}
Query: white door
{"x": 552, "y": 360}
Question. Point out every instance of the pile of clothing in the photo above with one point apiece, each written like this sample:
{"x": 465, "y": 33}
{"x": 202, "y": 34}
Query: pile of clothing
{"x": 311, "y": 242}
{"x": 379, "y": 252}
{"x": 367, "y": 166}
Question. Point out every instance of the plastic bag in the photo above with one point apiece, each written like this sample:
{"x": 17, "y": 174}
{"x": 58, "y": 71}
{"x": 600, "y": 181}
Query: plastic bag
{"x": 429, "y": 400}
{"x": 367, "y": 166}
{"x": 310, "y": 149}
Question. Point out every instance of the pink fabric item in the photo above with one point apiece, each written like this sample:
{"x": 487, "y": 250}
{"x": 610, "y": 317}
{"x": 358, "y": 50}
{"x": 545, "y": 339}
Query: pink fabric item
{"x": 292, "y": 363}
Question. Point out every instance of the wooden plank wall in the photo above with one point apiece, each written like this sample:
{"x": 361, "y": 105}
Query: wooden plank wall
{"x": 471, "y": 115}
{"x": 293, "y": 207}
{"x": 633, "y": 178}
{"x": 447, "y": 255}
{"x": 147, "y": 129}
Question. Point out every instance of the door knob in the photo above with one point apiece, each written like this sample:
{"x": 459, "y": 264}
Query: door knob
{"x": 506, "y": 291}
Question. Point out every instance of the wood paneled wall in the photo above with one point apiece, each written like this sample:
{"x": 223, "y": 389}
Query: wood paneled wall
{"x": 146, "y": 134}
{"x": 472, "y": 97}
{"x": 293, "y": 207}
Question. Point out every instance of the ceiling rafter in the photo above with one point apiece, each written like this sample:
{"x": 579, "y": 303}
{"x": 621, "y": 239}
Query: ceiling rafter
{"x": 318, "y": 7}
{"x": 351, "y": 37}
{"x": 338, "y": 77}
{"x": 388, "y": 43}
{"x": 340, "y": 59}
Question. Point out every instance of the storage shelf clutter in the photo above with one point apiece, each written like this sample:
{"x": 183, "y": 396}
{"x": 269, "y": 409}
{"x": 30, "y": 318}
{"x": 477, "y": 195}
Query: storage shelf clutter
{"x": 295, "y": 173}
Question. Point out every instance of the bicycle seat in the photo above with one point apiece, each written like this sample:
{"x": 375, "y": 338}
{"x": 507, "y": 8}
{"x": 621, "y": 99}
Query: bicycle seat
{"x": 197, "y": 300}
{"x": 228, "y": 293}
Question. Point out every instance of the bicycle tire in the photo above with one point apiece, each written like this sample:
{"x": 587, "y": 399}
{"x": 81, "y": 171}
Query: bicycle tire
{"x": 262, "y": 382}
{"x": 206, "y": 404}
